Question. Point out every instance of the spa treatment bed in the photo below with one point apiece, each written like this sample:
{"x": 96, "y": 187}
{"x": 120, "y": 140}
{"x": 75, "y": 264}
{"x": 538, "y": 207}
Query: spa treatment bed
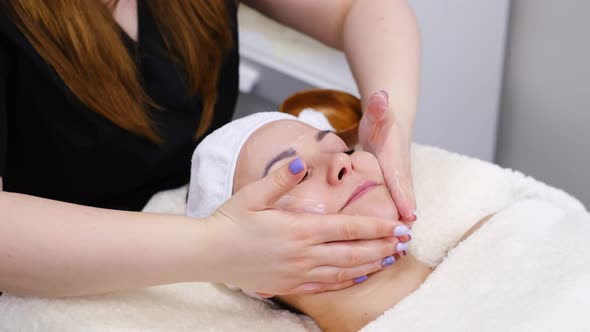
{"x": 526, "y": 269}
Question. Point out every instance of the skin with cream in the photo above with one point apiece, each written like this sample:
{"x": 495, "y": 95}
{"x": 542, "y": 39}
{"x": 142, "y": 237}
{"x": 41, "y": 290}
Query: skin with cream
{"x": 338, "y": 181}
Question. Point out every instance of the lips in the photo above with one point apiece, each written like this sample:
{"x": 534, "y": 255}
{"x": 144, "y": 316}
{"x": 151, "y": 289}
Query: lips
{"x": 362, "y": 189}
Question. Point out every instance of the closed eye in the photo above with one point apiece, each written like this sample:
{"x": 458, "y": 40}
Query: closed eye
{"x": 305, "y": 177}
{"x": 349, "y": 152}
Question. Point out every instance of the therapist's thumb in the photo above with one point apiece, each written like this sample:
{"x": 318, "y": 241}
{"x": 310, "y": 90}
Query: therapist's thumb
{"x": 264, "y": 192}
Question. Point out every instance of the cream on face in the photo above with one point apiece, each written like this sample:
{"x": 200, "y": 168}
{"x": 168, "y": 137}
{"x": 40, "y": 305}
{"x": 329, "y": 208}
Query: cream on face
{"x": 337, "y": 180}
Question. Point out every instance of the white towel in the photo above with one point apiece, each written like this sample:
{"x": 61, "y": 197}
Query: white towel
{"x": 525, "y": 269}
{"x": 315, "y": 119}
{"x": 453, "y": 193}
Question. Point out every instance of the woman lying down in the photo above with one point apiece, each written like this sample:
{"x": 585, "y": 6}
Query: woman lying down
{"x": 338, "y": 181}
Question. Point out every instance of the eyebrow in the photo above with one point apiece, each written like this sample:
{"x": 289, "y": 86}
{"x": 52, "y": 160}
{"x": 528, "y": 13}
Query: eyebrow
{"x": 282, "y": 155}
{"x": 290, "y": 152}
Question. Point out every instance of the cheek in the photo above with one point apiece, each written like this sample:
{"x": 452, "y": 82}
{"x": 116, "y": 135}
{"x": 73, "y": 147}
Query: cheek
{"x": 306, "y": 198}
{"x": 367, "y": 164}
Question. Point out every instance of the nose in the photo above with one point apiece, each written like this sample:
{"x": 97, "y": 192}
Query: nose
{"x": 340, "y": 167}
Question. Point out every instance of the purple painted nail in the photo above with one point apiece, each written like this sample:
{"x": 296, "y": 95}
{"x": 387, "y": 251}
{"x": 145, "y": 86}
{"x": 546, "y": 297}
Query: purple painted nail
{"x": 401, "y": 246}
{"x": 388, "y": 261}
{"x": 296, "y": 166}
{"x": 360, "y": 279}
{"x": 401, "y": 230}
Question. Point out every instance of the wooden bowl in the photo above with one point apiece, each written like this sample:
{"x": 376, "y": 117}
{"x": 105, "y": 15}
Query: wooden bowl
{"x": 342, "y": 110}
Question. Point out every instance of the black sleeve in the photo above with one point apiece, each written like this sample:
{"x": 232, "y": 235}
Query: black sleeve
{"x": 3, "y": 125}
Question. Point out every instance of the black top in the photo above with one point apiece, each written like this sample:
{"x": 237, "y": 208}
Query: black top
{"x": 52, "y": 146}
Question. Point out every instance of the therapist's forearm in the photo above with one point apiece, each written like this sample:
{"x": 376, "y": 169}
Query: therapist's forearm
{"x": 50, "y": 248}
{"x": 381, "y": 40}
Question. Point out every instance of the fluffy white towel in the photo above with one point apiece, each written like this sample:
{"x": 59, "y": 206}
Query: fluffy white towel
{"x": 526, "y": 269}
{"x": 315, "y": 119}
{"x": 453, "y": 193}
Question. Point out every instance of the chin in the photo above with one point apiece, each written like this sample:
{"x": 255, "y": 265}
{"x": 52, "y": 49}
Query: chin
{"x": 375, "y": 203}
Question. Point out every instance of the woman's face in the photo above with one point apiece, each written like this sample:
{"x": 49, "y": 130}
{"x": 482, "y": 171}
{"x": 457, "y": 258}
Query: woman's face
{"x": 337, "y": 180}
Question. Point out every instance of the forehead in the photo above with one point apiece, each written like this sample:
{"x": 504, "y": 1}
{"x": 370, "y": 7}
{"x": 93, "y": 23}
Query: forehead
{"x": 265, "y": 143}
{"x": 282, "y": 133}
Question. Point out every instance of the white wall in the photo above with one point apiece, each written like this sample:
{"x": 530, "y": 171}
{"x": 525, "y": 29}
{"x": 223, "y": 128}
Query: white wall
{"x": 544, "y": 127}
{"x": 463, "y": 55}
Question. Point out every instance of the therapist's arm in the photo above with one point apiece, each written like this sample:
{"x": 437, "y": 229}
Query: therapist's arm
{"x": 379, "y": 37}
{"x": 51, "y": 248}
{"x": 381, "y": 41}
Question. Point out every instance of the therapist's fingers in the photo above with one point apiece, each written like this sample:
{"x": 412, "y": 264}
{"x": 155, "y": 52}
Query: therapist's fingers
{"x": 319, "y": 287}
{"x": 329, "y": 278}
{"x": 329, "y": 228}
{"x": 405, "y": 238}
{"x": 357, "y": 253}
{"x": 382, "y": 134}
{"x": 397, "y": 173}
{"x": 263, "y": 193}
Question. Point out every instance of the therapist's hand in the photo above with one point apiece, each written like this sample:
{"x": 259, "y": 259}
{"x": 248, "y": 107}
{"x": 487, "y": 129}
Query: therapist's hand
{"x": 390, "y": 139}
{"x": 275, "y": 252}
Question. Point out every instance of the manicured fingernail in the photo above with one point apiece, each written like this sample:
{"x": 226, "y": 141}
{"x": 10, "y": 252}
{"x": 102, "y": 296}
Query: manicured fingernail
{"x": 388, "y": 261}
{"x": 360, "y": 279}
{"x": 401, "y": 246}
{"x": 401, "y": 230}
{"x": 296, "y": 166}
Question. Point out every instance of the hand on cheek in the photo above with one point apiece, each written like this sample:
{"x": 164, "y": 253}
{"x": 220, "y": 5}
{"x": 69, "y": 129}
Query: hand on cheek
{"x": 390, "y": 141}
{"x": 295, "y": 203}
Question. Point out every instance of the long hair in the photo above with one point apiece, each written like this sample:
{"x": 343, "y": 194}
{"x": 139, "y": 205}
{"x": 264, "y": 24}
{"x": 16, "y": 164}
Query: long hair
{"x": 81, "y": 41}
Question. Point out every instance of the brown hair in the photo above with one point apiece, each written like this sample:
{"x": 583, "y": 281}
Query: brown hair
{"x": 81, "y": 41}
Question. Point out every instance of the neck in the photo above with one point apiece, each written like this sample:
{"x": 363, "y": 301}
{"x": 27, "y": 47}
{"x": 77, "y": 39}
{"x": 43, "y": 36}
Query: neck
{"x": 352, "y": 308}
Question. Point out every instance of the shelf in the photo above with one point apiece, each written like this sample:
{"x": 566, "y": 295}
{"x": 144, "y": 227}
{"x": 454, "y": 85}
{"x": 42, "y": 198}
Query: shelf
{"x": 291, "y": 53}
